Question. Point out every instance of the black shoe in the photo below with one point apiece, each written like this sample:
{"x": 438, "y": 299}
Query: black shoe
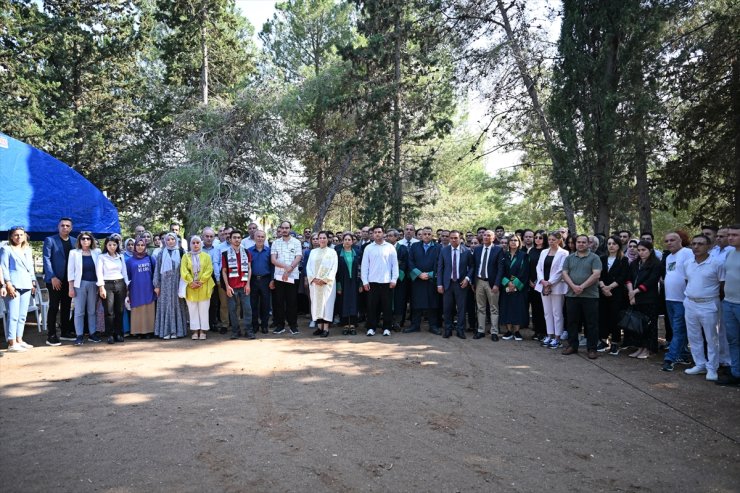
{"x": 728, "y": 381}
{"x": 508, "y": 336}
{"x": 119, "y": 338}
{"x": 68, "y": 336}
{"x": 494, "y": 337}
{"x": 435, "y": 331}
{"x": 318, "y": 332}
{"x": 447, "y": 334}
{"x": 235, "y": 336}
{"x": 411, "y": 329}
{"x": 479, "y": 335}
{"x": 111, "y": 340}
{"x": 53, "y": 341}
{"x": 294, "y": 331}
{"x": 518, "y": 336}
{"x": 264, "y": 330}
{"x": 601, "y": 347}
{"x": 325, "y": 333}
{"x": 222, "y": 330}
{"x": 461, "y": 334}
{"x": 250, "y": 335}
{"x": 667, "y": 366}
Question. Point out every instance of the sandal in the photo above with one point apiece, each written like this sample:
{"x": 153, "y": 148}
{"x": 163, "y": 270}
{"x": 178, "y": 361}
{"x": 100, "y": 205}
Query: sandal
{"x": 202, "y": 336}
{"x": 195, "y": 336}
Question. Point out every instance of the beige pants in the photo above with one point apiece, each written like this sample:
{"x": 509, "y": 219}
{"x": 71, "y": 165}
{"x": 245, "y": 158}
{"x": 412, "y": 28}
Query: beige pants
{"x": 485, "y": 295}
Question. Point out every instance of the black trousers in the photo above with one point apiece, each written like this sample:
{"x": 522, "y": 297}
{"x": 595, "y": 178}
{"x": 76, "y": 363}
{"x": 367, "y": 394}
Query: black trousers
{"x": 582, "y": 312}
{"x": 379, "y": 298}
{"x": 609, "y": 308}
{"x": 538, "y": 313}
{"x": 115, "y": 294}
{"x": 59, "y": 299}
{"x": 285, "y": 304}
{"x": 454, "y": 300}
{"x": 259, "y": 298}
{"x": 214, "y": 307}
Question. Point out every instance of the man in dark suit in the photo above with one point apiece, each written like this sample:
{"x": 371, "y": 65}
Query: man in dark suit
{"x": 423, "y": 257}
{"x": 455, "y": 268}
{"x": 56, "y": 254}
{"x": 399, "y": 292}
{"x": 486, "y": 279}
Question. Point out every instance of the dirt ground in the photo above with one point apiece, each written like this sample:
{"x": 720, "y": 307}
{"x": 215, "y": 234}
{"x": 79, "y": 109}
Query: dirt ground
{"x": 403, "y": 413}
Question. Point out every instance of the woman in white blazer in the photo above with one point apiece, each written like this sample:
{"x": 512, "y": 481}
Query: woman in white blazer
{"x": 552, "y": 287}
{"x": 83, "y": 285}
{"x": 19, "y": 276}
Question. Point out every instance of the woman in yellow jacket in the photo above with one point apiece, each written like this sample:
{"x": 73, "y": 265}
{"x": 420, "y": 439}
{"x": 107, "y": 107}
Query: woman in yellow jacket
{"x": 196, "y": 270}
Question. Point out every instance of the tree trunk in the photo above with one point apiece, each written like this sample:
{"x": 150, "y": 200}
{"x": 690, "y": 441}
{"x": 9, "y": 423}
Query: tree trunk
{"x": 204, "y": 54}
{"x": 735, "y": 88}
{"x": 397, "y": 182}
{"x": 643, "y": 191}
{"x": 332, "y": 192}
{"x": 542, "y": 120}
{"x": 77, "y": 102}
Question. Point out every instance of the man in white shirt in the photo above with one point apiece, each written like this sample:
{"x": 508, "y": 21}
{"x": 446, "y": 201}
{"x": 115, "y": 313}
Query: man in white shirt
{"x": 705, "y": 279}
{"x": 674, "y": 285}
{"x": 379, "y": 273}
{"x": 286, "y": 254}
{"x": 248, "y": 242}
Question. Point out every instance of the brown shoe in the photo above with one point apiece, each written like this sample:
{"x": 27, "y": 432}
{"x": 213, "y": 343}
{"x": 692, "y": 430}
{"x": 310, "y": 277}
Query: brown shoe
{"x": 569, "y": 350}
{"x": 592, "y": 354}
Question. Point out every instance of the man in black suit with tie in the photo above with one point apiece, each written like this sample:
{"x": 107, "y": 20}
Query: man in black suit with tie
{"x": 455, "y": 268}
{"x": 486, "y": 279}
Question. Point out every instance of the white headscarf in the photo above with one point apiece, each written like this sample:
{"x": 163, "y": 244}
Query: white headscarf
{"x": 170, "y": 256}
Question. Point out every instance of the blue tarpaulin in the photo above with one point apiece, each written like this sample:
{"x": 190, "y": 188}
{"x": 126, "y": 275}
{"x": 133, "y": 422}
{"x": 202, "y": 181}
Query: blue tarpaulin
{"x": 37, "y": 189}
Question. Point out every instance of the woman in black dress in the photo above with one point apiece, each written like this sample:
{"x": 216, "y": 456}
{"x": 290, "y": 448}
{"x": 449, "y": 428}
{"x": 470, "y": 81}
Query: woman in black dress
{"x": 612, "y": 295}
{"x": 535, "y": 297}
{"x": 642, "y": 290}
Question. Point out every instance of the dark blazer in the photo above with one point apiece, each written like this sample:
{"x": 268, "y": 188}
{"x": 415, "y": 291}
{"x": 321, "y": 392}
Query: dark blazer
{"x": 618, "y": 273}
{"x": 520, "y": 270}
{"x": 444, "y": 266}
{"x": 495, "y": 272}
{"x": 423, "y": 293}
{"x": 55, "y": 262}
{"x": 645, "y": 279}
{"x": 403, "y": 262}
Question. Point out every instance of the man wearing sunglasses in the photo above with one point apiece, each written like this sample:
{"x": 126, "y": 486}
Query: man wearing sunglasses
{"x": 56, "y": 254}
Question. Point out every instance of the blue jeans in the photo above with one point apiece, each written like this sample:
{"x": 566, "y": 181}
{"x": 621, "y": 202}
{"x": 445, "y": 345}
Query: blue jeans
{"x": 239, "y": 296}
{"x": 86, "y": 300}
{"x": 17, "y": 311}
{"x": 731, "y": 317}
{"x": 679, "y": 344}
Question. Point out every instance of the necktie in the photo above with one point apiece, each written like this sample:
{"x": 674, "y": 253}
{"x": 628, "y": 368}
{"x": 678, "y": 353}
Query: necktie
{"x": 484, "y": 264}
{"x": 454, "y": 265}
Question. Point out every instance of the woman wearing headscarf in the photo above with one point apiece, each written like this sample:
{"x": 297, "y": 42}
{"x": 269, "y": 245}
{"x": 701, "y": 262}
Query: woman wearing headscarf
{"x": 196, "y": 270}
{"x": 141, "y": 296}
{"x": 128, "y": 250}
{"x": 321, "y": 272}
{"x": 18, "y": 273}
{"x": 170, "y": 317}
{"x": 83, "y": 281}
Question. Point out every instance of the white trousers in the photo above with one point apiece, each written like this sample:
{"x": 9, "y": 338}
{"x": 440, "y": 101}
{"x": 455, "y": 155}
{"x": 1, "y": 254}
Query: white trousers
{"x": 553, "y": 306}
{"x": 198, "y": 311}
{"x": 702, "y": 318}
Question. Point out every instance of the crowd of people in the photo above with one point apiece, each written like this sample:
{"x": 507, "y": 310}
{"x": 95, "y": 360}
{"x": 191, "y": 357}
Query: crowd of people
{"x": 570, "y": 289}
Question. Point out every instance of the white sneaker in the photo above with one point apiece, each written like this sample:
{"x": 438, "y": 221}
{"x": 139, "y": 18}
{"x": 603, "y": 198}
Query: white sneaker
{"x": 312, "y": 325}
{"x": 696, "y": 370}
{"x": 386, "y": 332}
{"x": 712, "y": 375}
{"x": 26, "y": 345}
{"x": 16, "y": 348}
{"x": 370, "y": 332}
{"x": 564, "y": 336}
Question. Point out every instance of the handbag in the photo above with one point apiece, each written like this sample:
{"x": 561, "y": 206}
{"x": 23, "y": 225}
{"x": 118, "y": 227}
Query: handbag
{"x": 633, "y": 321}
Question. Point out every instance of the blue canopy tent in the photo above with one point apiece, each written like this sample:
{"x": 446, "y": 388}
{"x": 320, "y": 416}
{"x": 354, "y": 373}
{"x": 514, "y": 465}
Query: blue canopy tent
{"x": 37, "y": 189}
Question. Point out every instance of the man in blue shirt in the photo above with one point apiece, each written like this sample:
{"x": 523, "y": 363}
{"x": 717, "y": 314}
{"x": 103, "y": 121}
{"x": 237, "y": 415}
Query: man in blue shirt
{"x": 261, "y": 282}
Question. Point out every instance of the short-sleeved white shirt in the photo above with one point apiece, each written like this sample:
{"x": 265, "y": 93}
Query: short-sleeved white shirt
{"x": 286, "y": 252}
{"x": 704, "y": 278}
{"x": 675, "y": 274}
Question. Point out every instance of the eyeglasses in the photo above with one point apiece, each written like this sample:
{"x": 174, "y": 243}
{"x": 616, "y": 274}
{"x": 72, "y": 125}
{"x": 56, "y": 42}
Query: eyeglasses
{"x": 699, "y": 243}
{"x": 85, "y": 238}
{"x": 14, "y": 228}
